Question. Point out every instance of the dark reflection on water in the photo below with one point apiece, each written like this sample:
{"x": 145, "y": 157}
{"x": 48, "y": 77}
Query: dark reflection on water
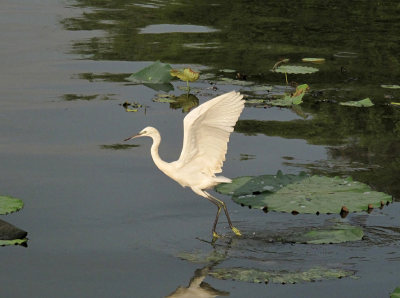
{"x": 359, "y": 42}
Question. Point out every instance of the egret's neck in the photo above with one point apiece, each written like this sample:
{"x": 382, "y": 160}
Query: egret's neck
{"x": 162, "y": 165}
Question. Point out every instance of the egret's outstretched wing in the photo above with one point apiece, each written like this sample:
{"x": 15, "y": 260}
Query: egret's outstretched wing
{"x": 206, "y": 132}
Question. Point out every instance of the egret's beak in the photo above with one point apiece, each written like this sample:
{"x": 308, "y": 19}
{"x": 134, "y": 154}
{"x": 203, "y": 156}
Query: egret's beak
{"x": 132, "y": 137}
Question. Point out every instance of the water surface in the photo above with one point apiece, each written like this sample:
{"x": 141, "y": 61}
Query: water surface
{"x": 105, "y": 222}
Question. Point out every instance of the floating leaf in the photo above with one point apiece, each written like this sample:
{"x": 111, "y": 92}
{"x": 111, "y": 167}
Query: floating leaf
{"x": 295, "y": 99}
{"x": 13, "y": 242}
{"x": 338, "y": 233}
{"x": 9, "y": 204}
{"x": 294, "y": 69}
{"x": 281, "y": 277}
{"x": 11, "y": 235}
{"x": 227, "y": 70}
{"x": 260, "y": 88}
{"x": 366, "y": 102}
{"x": 235, "y": 82}
{"x": 395, "y": 103}
{"x": 314, "y": 60}
{"x": 255, "y": 101}
{"x": 391, "y": 86}
{"x": 186, "y": 75}
{"x": 156, "y": 73}
{"x": 395, "y": 293}
{"x": 303, "y": 194}
{"x": 257, "y": 184}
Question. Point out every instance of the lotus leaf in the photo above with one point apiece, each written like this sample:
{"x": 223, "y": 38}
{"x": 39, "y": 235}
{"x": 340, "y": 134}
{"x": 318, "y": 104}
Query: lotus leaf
{"x": 249, "y": 185}
{"x": 156, "y": 73}
{"x": 314, "y": 60}
{"x": 13, "y": 242}
{"x": 391, "y": 86}
{"x": 366, "y": 102}
{"x": 282, "y": 277}
{"x": 235, "y": 82}
{"x": 396, "y": 293}
{"x": 294, "y": 69}
{"x": 186, "y": 75}
{"x": 338, "y": 233}
{"x": 302, "y": 194}
{"x": 295, "y": 99}
{"x": 10, "y": 235}
{"x": 9, "y": 204}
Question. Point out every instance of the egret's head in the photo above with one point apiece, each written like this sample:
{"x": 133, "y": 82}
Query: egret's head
{"x": 145, "y": 132}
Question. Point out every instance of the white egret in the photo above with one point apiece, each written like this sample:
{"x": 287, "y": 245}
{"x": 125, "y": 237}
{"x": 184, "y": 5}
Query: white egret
{"x": 205, "y": 141}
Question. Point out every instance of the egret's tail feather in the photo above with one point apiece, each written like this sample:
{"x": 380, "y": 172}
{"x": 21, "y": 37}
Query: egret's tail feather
{"x": 222, "y": 179}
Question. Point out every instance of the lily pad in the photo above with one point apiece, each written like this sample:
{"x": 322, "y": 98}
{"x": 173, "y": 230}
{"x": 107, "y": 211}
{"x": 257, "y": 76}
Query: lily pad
{"x": 315, "y": 194}
{"x": 13, "y": 242}
{"x": 11, "y": 235}
{"x": 295, "y": 99}
{"x": 258, "y": 184}
{"x": 235, "y": 82}
{"x": 338, "y": 233}
{"x": 294, "y": 69}
{"x": 10, "y": 204}
{"x": 366, "y": 102}
{"x": 314, "y": 60}
{"x": 391, "y": 86}
{"x": 282, "y": 277}
{"x": 156, "y": 73}
{"x": 395, "y": 293}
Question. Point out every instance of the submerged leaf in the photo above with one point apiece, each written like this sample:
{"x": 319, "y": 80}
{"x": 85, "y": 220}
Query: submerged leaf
{"x": 303, "y": 194}
{"x": 282, "y": 277}
{"x": 156, "y": 73}
{"x": 366, "y": 102}
{"x": 199, "y": 257}
{"x": 294, "y": 69}
{"x": 338, "y": 233}
{"x": 186, "y": 75}
{"x": 9, "y": 204}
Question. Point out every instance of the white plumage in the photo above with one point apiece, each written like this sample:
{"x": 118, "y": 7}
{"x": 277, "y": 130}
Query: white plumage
{"x": 206, "y": 134}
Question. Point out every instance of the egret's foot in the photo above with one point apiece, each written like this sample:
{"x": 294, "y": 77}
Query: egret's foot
{"x": 215, "y": 235}
{"x": 236, "y": 231}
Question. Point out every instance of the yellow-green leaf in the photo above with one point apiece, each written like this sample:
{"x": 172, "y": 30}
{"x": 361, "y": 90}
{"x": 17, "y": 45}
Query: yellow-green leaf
{"x": 314, "y": 60}
{"x": 187, "y": 74}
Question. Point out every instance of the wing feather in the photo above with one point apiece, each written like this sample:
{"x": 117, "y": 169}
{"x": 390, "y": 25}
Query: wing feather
{"x": 206, "y": 132}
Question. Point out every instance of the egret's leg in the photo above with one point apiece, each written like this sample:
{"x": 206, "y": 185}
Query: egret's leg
{"x": 211, "y": 198}
{"x": 215, "y": 234}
